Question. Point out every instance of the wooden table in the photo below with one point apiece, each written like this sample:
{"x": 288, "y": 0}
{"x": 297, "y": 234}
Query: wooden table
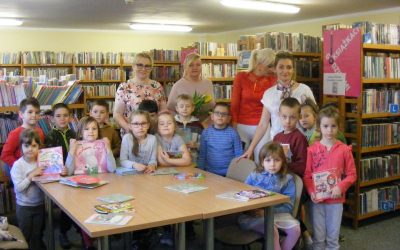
{"x": 155, "y": 205}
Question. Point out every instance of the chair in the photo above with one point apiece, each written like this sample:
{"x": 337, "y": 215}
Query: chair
{"x": 20, "y": 244}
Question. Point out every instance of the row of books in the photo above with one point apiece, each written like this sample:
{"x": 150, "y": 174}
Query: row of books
{"x": 9, "y": 72}
{"x": 10, "y": 58}
{"x": 379, "y": 167}
{"x": 7, "y": 199}
{"x": 168, "y": 72}
{"x": 384, "y": 198}
{"x": 382, "y": 134}
{"x": 222, "y": 91}
{"x": 46, "y": 57}
{"x": 165, "y": 55}
{"x": 216, "y": 49}
{"x": 296, "y": 42}
{"x": 100, "y": 89}
{"x": 11, "y": 94}
{"x": 307, "y": 68}
{"x": 49, "y": 95}
{"x": 382, "y": 65}
{"x": 218, "y": 70}
{"x": 378, "y": 33}
{"x": 103, "y": 74}
{"x": 128, "y": 57}
{"x": 48, "y": 72}
{"x": 97, "y": 58}
{"x": 379, "y": 100}
{"x": 8, "y": 122}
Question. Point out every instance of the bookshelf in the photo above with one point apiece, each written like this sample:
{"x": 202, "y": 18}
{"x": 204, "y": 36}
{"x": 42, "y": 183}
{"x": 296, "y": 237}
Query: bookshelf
{"x": 374, "y": 132}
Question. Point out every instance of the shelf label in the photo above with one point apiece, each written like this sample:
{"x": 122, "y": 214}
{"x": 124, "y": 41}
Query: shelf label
{"x": 394, "y": 108}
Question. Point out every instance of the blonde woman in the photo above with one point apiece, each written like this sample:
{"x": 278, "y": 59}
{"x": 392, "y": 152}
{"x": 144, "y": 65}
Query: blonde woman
{"x": 190, "y": 83}
{"x": 248, "y": 89}
{"x": 131, "y": 93}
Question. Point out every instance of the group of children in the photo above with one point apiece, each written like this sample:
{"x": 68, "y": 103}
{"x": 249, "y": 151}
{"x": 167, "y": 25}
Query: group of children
{"x": 155, "y": 140}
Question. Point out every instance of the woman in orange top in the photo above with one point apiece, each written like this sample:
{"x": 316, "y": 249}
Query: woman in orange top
{"x": 248, "y": 89}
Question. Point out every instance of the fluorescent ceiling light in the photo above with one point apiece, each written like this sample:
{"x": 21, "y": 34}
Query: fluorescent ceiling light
{"x": 261, "y": 5}
{"x": 160, "y": 27}
{"x": 10, "y": 22}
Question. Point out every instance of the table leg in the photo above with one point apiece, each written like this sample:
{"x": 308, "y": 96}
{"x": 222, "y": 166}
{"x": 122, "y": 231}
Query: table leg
{"x": 180, "y": 244}
{"x": 103, "y": 243}
{"x": 50, "y": 230}
{"x": 210, "y": 234}
{"x": 269, "y": 228}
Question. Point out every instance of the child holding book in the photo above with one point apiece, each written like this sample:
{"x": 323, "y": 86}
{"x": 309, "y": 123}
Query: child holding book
{"x": 292, "y": 140}
{"x": 172, "y": 150}
{"x": 219, "y": 143}
{"x": 138, "y": 148}
{"x": 29, "y": 110}
{"x": 332, "y": 157}
{"x": 60, "y": 135}
{"x": 308, "y": 118}
{"x": 151, "y": 107}
{"x": 99, "y": 111}
{"x": 29, "y": 198}
{"x": 189, "y": 125}
{"x": 90, "y": 155}
{"x": 271, "y": 174}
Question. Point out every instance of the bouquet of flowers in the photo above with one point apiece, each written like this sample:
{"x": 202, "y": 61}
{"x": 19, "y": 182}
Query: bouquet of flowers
{"x": 199, "y": 100}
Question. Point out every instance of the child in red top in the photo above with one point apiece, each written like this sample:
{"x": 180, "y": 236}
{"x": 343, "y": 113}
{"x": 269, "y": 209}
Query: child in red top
{"x": 333, "y": 156}
{"x": 29, "y": 110}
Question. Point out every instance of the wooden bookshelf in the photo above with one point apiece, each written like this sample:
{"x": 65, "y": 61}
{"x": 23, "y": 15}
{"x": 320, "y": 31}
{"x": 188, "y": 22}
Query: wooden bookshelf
{"x": 99, "y": 97}
{"x": 379, "y": 181}
{"x": 9, "y": 109}
{"x": 378, "y": 149}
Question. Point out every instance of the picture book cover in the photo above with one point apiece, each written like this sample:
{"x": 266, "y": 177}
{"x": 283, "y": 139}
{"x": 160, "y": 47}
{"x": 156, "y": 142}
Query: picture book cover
{"x": 83, "y": 181}
{"x": 324, "y": 182}
{"x": 232, "y": 196}
{"x": 185, "y": 176}
{"x": 90, "y": 157}
{"x": 126, "y": 171}
{"x": 114, "y": 198}
{"x": 114, "y": 208}
{"x": 186, "y": 188}
{"x": 252, "y": 194}
{"x": 51, "y": 159}
{"x": 109, "y": 219}
{"x": 165, "y": 171}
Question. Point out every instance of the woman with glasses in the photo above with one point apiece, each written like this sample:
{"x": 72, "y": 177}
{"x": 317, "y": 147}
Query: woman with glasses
{"x": 190, "y": 83}
{"x": 248, "y": 89}
{"x": 131, "y": 93}
{"x": 285, "y": 87}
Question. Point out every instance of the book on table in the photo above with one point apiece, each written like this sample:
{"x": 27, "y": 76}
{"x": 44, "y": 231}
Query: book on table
{"x": 109, "y": 219}
{"x": 324, "y": 182}
{"x": 185, "y": 176}
{"x": 51, "y": 160}
{"x": 114, "y": 198}
{"x": 253, "y": 194}
{"x": 165, "y": 171}
{"x": 84, "y": 181}
{"x": 126, "y": 171}
{"x": 186, "y": 188}
{"x": 114, "y": 208}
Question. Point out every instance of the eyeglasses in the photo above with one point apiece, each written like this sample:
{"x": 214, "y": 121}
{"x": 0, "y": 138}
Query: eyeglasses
{"x": 221, "y": 114}
{"x": 143, "y": 66}
{"x": 139, "y": 124}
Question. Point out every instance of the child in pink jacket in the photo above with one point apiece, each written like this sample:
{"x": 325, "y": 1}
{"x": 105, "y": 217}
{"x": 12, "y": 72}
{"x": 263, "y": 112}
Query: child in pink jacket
{"x": 330, "y": 171}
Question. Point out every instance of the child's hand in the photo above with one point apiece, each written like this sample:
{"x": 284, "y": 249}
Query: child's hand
{"x": 336, "y": 193}
{"x": 36, "y": 172}
{"x": 139, "y": 167}
{"x": 64, "y": 171}
{"x": 150, "y": 169}
{"x": 164, "y": 156}
{"x": 248, "y": 154}
{"x": 313, "y": 198}
{"x": 107, "y": 144}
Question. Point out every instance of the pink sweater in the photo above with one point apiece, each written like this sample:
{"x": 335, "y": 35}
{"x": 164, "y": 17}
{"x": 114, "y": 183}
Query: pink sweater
{"x": 340, "y": 158}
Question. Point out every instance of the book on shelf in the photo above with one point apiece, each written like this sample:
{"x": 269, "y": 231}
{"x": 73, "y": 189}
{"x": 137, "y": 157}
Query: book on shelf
{"x": 114, "y": 198}
{"x": 216, "y": 49}
{"x": 90, "y": 157}
{"x": 324, "y": 182}
{"x": 222, "y": 91}
{"x": 100, "y": 89}
{"x": 218, "y": 70}
{"x": 10, "y": 57}
{"x": 243, "y": 59}
{"x": 380, "y": 134}
{"x": 381, "y": 65}
{"x": 378, "y": 33}
{"x": 109, "y": 219}
{"x": 165, "y": 55}
{"x": 51, "y": 160}
{"x": 378, "y": 100}
{"x": 115, "y": 208}
{"x": 83, "y": 181}
{"x": 378, "y": 167}
{"x": 165, "y": 171}
{"x": 46, "y": 57}
{"x": 186, "y": 187}
{"x": 8, "y": 122}
{"x": 376, "y": 199}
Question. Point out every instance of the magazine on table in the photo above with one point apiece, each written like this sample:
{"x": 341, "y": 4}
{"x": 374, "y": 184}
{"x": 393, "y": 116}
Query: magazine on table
{"x": 114, "y": 198}
{"x": 109, "y": 219}
{"x": 121, "y": 207}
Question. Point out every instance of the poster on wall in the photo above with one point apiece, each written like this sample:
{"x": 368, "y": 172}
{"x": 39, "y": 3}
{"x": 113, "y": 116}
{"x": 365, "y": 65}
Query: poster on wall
{"x": 342, "y": 62}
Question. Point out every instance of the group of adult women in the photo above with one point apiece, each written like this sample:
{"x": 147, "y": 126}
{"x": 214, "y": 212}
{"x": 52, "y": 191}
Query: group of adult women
{"x": 255, "y": 101}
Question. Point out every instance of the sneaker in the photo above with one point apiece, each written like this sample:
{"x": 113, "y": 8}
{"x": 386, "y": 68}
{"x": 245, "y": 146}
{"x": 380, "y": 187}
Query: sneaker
{"x": 166, "y": 239}
{"x": 64, "y": 241}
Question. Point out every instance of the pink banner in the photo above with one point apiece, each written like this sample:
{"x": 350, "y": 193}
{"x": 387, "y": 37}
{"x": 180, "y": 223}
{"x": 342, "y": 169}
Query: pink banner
{"x": 342, "y": 54}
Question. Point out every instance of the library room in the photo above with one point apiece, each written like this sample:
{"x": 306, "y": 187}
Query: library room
{"x": 213, "y": 124}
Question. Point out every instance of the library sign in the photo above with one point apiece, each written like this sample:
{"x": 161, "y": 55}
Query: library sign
{"x": 342, "y": 62}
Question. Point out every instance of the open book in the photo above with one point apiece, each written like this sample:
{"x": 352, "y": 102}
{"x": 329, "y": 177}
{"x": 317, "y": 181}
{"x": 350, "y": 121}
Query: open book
{"x": 324, "y": 182}
{"x": 51, "y": 159}
{"x": 109, "y": 219}
{"x": 186, "y": 188}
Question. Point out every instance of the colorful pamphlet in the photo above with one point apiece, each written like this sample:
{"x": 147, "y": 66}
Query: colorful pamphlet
{"x": 185, "y": 176}
{"x": 165, "y": 171}
{"x": 324, "y": 182}
{"x": 124, "y": 207}
{"x": 186, "y": 188}
{"x": 51, "y": 159}
{"x": 90, "y": 157}
{"x": 114, "y": 198}
{"x": 109, "y": 219}
{"x": 252, "y": 194}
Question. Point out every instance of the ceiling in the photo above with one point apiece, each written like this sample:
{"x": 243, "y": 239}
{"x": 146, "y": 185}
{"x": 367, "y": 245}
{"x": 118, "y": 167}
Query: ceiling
{"x": 206, "y": 16}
